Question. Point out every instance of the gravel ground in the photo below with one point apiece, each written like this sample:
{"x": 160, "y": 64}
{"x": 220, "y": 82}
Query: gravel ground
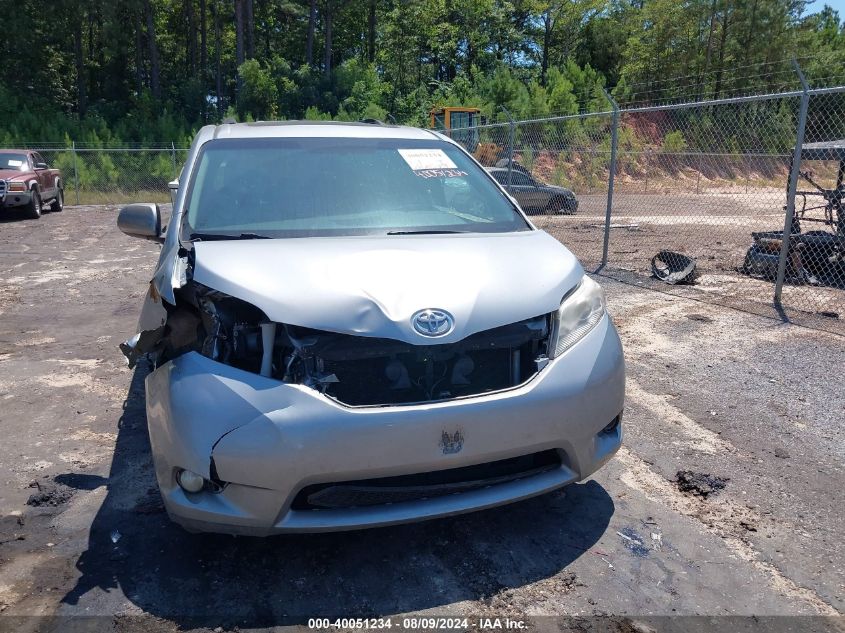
{"x": 754, "y": 404}
{"x": 715, "y": 229}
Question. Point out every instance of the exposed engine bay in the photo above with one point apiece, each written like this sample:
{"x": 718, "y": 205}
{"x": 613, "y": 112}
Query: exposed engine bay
{"x": 354, "y": 370}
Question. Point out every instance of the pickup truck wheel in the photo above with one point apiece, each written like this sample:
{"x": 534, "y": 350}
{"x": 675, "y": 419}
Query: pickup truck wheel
{"x": 59, "y": 203}
{"x": 33, "y": 209}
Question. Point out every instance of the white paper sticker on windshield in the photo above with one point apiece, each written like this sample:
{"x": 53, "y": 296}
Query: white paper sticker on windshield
{"x": 14, "y": 163}
{"x": 419, "y": 159}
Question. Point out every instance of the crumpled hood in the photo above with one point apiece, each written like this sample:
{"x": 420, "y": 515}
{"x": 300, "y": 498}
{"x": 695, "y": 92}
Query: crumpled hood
{"x": 372, "y": 286}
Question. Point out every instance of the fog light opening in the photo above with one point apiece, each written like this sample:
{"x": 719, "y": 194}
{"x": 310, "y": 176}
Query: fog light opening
{"x": 614, "y": 424}
{"x": 189, "y": 481}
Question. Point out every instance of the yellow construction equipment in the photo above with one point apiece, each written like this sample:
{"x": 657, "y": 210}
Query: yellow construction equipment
{"x": 454, "y": 118}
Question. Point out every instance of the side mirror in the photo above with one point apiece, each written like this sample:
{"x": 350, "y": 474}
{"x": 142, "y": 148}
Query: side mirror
{"x": 173, "y": 186}
{"x": 40, "y": 165}
{"x": 141, "y": 220}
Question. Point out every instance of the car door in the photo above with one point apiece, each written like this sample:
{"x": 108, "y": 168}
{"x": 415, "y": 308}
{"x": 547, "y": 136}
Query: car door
{"x": 42, "y": 174}
{"x": 524, "y": 189}
{"x": 540, "y": 193}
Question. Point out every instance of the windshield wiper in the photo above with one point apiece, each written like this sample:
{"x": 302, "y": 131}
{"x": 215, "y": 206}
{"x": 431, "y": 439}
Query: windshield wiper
{"x": 203, "y": 237}
{"x": 424, "y": 232}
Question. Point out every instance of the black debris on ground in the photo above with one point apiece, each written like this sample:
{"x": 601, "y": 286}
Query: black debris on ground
{"x": 700, "y": 317}
{"x": 48, "y": 494}
{"x": 699, "y": 484}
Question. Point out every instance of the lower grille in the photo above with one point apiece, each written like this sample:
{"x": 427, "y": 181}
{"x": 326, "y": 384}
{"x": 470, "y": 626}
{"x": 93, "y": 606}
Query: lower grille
{"x": 387, "y": 490}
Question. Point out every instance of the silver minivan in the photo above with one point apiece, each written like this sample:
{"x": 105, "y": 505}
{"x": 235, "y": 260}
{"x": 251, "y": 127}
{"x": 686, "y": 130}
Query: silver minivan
{"x": 353, "y": 325}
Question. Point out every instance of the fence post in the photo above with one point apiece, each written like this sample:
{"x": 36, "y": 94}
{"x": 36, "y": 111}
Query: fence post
{"x": 173, "y": 159}
{"x": 698, "y": 175}
{"x": 511, "y": 138}
{"x": 75, "y": 173}
{"x": 793, "y": 183}
{"x": 614, "y": 137}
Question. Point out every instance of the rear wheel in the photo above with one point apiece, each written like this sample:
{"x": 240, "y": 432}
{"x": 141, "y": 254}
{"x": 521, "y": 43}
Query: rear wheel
{"x": 59, "y": 203}
{"x": 33, "y": 209}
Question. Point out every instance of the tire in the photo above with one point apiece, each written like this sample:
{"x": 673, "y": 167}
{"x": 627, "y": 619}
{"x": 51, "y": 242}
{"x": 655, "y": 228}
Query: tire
{"x": 557, "y": 206}
{"x": 33, "y": 209}
{"x": 59, "y": 203}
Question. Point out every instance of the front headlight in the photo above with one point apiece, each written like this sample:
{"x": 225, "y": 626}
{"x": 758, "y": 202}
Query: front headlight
{"x": 16, "y": 186}
{"x": 579, "y": 313}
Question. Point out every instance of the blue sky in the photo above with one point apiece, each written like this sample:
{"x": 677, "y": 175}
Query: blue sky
{"x": 839, "y": 5}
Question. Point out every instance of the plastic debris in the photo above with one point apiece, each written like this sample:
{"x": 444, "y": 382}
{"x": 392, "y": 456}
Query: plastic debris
{"x": 673, "y": 268}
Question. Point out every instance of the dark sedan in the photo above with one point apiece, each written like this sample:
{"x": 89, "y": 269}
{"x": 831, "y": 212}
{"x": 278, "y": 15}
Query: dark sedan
{"x": 535, "y": 196}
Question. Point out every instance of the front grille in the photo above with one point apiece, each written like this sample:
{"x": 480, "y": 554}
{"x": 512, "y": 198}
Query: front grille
{"x": 387, "y": 490}
{"x": 2, "y": 188}
{"x": 368, "y": 371}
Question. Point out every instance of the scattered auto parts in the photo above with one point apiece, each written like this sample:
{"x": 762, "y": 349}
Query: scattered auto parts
{"x": 813, "y": 257}
{"x": 673, "y": 268}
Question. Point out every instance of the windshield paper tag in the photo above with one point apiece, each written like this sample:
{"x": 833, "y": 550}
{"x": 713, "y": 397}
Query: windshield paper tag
{"x": 419, "y": 159}
{"x": 431, "y": 163}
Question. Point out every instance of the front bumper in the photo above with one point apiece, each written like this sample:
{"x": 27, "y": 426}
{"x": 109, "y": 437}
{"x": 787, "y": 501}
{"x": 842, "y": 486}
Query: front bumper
{"x": 269, "y": 440}
{"x": 14, "y": 199}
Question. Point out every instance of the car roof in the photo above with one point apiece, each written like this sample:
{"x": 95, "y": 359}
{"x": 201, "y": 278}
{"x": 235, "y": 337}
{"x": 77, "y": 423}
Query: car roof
{"x": 324, "y": 129}
{"x": 17, "y": 151}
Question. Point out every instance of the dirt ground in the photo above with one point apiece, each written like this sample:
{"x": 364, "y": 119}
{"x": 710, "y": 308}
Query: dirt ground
{"x": 715, "y": 229}
{"x": 756, "y": 404}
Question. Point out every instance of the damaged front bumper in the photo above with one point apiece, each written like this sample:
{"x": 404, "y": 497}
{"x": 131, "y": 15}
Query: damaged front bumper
{"x": 267, "y": 442}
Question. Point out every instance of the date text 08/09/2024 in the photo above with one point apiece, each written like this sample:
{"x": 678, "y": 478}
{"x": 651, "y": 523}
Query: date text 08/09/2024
{"x": 417, "y": 623}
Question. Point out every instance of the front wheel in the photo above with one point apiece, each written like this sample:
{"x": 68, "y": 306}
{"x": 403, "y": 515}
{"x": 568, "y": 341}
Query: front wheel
{"x": 560, "y": 206}
{"x": 33, "y": 209}
{"x": 59, "y": 203}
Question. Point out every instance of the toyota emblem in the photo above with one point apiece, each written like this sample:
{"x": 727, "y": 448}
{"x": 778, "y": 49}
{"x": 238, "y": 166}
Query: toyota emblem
{"x": 433, "y": 323}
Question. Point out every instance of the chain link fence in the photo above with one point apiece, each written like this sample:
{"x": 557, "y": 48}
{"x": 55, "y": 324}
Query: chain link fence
{"x": 750, "y": 188}
{"x": 716, "y": 182}
{"x": 114, "y": 175}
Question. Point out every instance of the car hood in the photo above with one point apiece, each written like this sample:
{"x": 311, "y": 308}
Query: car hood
{"x": 11, "y": 174}
{"x": 372, "y": 286}
{"x": 562, "y": 190}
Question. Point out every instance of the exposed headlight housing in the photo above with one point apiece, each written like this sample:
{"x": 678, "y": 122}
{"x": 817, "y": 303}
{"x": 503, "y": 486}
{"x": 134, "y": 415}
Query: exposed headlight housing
{"x": 16, "y": 186}
{"x": 579, "y": 313}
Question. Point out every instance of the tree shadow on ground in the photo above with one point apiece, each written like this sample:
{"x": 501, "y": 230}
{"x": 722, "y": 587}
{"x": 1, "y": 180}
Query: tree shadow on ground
{"x": 213, "y": 580}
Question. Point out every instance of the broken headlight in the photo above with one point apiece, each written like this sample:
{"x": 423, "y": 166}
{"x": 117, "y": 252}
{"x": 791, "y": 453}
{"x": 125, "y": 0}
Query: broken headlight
{"x": 579, "y": 313}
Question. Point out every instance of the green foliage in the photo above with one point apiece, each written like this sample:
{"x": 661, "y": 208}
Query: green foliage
{"x": 104, "y": 75}
{"x": 259, "y": 95}
{"x": 674, "y": 142}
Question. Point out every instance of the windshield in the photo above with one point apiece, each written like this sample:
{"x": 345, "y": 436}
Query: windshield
{"x": 298, "y": 187}
{"x": 17, "y": 162}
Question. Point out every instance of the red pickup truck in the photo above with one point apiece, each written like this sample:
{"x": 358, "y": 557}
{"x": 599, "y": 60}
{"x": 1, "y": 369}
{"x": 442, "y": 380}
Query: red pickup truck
{"x": 26, "y": 181}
